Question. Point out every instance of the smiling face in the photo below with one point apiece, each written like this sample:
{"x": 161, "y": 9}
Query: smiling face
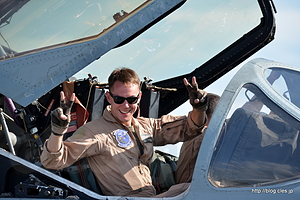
{"x": 123, "y": 112}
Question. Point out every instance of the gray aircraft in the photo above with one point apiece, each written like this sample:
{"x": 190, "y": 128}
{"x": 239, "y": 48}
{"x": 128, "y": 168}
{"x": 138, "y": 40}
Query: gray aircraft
{"x": 250, "y": 148}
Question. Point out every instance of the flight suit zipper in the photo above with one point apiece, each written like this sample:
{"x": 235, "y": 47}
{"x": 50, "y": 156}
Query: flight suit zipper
{"x": 139, "y": 144}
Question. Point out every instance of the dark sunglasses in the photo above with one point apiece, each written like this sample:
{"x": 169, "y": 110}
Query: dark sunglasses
{"x": 120, "y": 100}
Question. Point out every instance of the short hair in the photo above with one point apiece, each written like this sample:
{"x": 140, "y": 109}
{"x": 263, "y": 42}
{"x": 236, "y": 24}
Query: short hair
{"x": 124, "y": 75}
{"x": 212, "y": 101}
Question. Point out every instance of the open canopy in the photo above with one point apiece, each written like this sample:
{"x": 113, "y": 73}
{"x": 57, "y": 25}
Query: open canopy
{"x": 45, "y": 42}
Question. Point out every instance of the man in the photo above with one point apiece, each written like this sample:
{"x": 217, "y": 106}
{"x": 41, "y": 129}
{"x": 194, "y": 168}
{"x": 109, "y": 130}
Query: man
{"x": 118, "y": 146}
{"x": 189, "y": 149}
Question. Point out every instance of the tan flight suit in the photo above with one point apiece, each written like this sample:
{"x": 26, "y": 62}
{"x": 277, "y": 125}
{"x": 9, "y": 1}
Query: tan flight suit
{"x": 187, "y": 159}
{"x": 113, "y": 153}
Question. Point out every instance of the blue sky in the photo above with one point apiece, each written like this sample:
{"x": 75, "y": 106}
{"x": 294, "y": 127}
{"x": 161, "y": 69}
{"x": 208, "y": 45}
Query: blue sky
{"x": 198, "y": 30}
{"x": 284, "y": 48}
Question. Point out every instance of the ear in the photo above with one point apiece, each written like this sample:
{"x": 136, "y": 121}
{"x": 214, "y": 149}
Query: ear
{"x": 140, "y": 97}
{"x": 108, "y": 97}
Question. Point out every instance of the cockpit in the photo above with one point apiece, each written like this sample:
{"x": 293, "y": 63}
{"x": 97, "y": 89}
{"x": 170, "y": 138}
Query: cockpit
{"x": 45, "y": 43}
{"x": 258, "y": 144}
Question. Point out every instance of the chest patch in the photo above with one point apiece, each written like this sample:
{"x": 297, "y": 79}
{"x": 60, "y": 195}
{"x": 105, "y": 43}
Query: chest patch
{"x": 122, "y": 138}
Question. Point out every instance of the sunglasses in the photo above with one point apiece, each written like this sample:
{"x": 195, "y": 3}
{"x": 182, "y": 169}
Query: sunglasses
{"x": 120, "y": 100}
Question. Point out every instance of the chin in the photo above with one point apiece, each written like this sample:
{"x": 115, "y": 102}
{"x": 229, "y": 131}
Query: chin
{"x": 124, "y": 120}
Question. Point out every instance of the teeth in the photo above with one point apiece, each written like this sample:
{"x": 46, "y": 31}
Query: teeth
{"x": 124, "y": 112}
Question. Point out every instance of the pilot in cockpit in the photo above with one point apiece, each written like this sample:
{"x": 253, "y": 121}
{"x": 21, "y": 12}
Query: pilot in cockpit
{"x": 118, "y": 146}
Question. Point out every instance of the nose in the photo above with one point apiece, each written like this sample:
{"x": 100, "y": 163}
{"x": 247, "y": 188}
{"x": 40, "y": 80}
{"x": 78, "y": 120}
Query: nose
{"x": 126, "y": 104}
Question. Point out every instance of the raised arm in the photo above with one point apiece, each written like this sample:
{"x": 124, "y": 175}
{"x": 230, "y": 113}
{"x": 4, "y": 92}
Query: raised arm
{"x": 198, "y": 100}
{"x": 60, "y": 119}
